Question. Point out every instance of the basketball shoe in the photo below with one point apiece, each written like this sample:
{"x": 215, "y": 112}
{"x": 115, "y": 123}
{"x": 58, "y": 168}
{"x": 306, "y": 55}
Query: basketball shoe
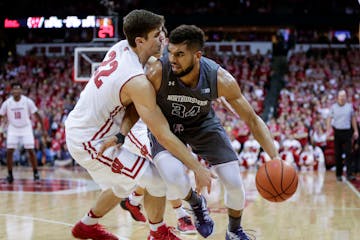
{"x": 134, "y": 210}
{"x": 203, "y": 222}
{"x": 94, "y": 232}
{"x": 163, "y": 233}
{"x": 10, "y": 179}
{"x": 185, "y": 226}
{"x": 238, "y": 235}
{"x": 36, "y": 176}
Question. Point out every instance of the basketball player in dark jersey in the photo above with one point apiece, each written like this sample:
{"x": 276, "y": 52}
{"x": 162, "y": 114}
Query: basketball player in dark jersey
{"x": 186, "y": 83}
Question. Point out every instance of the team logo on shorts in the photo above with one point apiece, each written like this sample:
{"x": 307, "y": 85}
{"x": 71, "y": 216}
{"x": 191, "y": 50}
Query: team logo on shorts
{"x": 117, "y": 166}
{"x": 144, "y": 151}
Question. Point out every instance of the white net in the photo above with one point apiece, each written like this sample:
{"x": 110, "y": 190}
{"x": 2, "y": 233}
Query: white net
{"x": 86, "y": 61}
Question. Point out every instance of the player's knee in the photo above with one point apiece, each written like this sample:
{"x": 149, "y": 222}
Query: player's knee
{"x": 234, "y": 192}
{"x": 179, "y": 188}
{"x": 229, "y": 174}
{"x": 152, "y": 181}
{"x": 170, "y": 168}
{"x": 235, "y": 198}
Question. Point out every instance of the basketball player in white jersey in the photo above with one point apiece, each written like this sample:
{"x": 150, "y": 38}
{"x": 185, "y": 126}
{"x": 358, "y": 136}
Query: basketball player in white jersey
{"x": 118, "y": 83}
{"x": 17, "y": 110}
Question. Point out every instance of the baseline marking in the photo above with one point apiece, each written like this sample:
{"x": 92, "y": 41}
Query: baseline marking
{"x": 45, "y": 220}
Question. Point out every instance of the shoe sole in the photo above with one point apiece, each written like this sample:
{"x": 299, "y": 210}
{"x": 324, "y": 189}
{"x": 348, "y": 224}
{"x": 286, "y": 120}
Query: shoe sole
{"x": 192, "y": 232}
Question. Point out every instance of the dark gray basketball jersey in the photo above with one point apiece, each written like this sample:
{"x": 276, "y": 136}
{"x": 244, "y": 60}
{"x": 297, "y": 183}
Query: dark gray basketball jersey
{"x": 188, "y": 106}
{"x": 191, "y": 116}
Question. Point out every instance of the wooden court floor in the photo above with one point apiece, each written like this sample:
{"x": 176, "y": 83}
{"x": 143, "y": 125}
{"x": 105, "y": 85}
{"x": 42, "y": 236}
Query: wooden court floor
{"x": 322, "y": 208}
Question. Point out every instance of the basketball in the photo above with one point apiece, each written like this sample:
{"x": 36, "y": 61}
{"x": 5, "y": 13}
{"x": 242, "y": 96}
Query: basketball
{"x": 276, "y": 181}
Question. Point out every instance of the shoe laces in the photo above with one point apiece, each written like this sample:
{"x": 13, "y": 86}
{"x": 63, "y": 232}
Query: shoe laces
{"x": 99, "y": 227}
{"x": 102, "y": 229}
{"x": 167, "y": 234}
{"x": 171, "y": 234}
{"x": 201, "y": 213}
{"x": 239, "y": 235}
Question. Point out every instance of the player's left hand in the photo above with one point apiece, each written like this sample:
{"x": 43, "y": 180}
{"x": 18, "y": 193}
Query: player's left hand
{"x": 203, "y": 179}
{"x": 111, "y": 141}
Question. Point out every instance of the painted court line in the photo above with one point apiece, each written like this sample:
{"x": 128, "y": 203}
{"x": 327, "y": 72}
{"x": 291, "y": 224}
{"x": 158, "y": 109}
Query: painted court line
{"x": 357, "y": 193}
{"x": 44, "y": 220}
{"x": 37, "y": 219}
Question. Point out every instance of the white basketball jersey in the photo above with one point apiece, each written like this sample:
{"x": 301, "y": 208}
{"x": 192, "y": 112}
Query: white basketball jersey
{"x": 18, "y": 112}
{"x": 99, "y": 111}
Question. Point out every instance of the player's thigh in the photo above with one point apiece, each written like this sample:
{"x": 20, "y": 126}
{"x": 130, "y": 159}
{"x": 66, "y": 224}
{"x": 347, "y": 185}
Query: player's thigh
{"x": 28, "y": 141}
{"x": 152, "y": 182}
{"x": 12, "y": 141}
{"x": 118, "y": 169}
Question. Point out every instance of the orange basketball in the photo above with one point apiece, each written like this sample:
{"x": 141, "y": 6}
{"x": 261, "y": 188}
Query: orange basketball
{"x": 276, "y": 181}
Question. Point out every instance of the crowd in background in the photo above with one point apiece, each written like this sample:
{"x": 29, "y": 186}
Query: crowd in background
{"x": 186, "y": 7}
{"x": 298, "y": 125}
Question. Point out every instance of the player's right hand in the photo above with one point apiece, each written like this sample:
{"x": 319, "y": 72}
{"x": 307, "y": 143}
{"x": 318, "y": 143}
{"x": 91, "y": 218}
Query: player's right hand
{"x": 203, "y": 178}
{"x": 111, "y": 141}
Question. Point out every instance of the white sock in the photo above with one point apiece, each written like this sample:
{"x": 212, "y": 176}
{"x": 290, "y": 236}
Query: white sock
{"x": 90, "y": 218}
{"x": 135, "y": 199}
{"x": 180, "y": 212}
{"x": 154, "y": 227}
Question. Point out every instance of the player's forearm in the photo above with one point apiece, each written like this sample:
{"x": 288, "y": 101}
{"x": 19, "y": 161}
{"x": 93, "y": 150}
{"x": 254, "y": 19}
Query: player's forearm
{"x": 130, "y": 118}
{"x": 263, "y": 136}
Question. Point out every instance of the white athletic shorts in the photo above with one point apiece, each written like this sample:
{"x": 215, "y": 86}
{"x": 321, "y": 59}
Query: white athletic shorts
{"x": 17, "y": 136}
{"x": 118, "y": 168}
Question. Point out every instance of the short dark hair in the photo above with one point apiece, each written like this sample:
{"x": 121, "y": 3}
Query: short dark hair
{"x": 14, "y": 84}
{"x": 190, "y": 35}
{"x": 139, "y": 22}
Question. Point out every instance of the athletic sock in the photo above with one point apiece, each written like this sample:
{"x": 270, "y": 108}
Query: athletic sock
{"x": 135, "y": 199}
{"x": 234, "y": 223}
{"x": 154, "y": 226}
{"x": 90, "y": 218}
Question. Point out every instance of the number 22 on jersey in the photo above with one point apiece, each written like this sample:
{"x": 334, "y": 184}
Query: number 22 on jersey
{"x": 105, "y": 72}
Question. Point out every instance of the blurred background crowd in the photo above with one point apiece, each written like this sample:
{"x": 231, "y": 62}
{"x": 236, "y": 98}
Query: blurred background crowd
{"x": 314, "y": 53}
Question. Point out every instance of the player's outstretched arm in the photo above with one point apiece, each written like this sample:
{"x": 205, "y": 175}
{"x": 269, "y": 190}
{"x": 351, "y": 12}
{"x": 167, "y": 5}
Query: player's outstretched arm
{"x": 142, "y": 94}
{"x": 130, "y": 118}
{"x": 229, "y": 88}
